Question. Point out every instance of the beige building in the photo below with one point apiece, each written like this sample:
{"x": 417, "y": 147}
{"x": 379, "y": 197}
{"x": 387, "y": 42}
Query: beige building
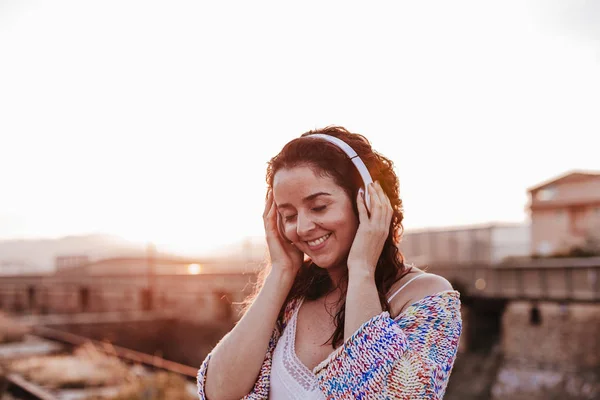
{"x": 475, "y": 244}
{"x": 565, "y": 212}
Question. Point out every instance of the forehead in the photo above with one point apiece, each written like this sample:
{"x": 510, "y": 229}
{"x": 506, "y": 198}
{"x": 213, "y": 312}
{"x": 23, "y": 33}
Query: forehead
{"x": 294, "y": 184}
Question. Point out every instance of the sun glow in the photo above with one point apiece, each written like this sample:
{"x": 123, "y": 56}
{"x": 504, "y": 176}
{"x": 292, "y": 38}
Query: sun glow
{"x": 194, "y": 269}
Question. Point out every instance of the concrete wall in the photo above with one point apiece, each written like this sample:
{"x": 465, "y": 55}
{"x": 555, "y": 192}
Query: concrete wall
{"x": 199, "y": 298}
{"x": 510, "y": 241}
{"x": 433, "y": 246}
{"x": 552, "y": 333}
{"x": 550, "y": 351}
{"x": 487, "y": 244}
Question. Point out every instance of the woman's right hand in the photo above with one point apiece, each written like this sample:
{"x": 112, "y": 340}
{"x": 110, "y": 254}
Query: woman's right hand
{"x": 285, "y": 257}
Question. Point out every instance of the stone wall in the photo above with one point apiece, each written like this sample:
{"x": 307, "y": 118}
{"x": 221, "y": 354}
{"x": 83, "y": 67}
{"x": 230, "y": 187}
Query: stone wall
{"x": 551, "y": 351}
{"x": 552, "y": 333}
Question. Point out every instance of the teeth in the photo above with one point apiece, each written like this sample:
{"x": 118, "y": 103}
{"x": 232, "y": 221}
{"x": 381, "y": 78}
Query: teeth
{"x": 318, "y": 241}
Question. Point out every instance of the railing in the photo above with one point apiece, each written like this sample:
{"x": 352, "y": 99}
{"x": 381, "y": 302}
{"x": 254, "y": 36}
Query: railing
{"x": 557, "y": 280}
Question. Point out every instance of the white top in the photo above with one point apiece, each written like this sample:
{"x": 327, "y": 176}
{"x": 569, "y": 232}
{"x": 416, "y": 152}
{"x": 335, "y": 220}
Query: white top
{"x": 290, "y": 379}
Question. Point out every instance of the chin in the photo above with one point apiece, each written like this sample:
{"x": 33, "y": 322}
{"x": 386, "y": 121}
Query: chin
{"x": 326, "y": 262}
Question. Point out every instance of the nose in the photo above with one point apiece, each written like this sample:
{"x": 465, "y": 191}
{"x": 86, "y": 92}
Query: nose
{"x": 304, "y": 225}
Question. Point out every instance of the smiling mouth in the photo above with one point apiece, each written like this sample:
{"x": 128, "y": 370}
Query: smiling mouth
{"x": 319, "y": 241}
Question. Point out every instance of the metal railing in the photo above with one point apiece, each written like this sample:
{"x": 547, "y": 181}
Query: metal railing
{"x": 556, "y": 280}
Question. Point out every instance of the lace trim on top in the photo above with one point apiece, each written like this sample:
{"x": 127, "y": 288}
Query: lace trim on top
{"x": 292, "y": 363}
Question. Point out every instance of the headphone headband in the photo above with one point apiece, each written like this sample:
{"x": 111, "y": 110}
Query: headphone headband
{"x": 353, "y": 156}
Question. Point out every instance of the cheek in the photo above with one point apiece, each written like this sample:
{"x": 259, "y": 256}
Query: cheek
{"x": 349, "y": 225}
{"x": 290, "y": 231}
{"x": 343, "y": 223}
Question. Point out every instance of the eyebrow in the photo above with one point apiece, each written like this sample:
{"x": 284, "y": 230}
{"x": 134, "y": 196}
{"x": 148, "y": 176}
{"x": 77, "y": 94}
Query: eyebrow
{"x": 306, "y": 199}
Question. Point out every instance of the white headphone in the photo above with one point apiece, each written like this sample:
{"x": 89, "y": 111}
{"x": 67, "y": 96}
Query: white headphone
{"x": 358, "y": 163}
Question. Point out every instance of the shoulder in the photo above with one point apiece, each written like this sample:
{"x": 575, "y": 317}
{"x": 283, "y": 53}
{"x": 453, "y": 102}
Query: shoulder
{"x": 426, "y": 285}
{"x": 431, "y": 284}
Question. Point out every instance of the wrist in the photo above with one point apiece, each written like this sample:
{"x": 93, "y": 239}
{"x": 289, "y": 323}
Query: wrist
{"x": 361, "y": 272}
{"x": 281, "y": 276}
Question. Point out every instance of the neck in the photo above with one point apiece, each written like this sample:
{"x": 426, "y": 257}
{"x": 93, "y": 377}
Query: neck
{"x": 338, "y": 276}
{"x": 332, "y": 299}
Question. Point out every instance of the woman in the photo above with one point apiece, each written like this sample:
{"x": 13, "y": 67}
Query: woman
{"x": 338, "y": 315}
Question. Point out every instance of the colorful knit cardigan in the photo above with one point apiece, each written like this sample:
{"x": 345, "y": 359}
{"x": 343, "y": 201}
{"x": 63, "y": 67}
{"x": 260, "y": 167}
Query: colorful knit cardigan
{"x": 410, "y": 357}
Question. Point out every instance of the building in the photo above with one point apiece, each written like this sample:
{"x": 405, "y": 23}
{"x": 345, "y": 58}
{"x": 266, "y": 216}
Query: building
{"x": 479, "y": 244}
{"x": 565, "y": 213}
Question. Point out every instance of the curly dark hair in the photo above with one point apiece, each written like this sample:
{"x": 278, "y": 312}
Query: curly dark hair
{"x": 327, "y": 159}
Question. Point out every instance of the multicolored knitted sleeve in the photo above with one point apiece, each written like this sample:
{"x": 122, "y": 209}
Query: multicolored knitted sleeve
{"x": 409, "y": 358}
{"x": 262, "y": 384}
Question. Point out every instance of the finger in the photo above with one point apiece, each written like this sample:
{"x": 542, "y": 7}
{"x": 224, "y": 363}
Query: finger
{"x": 376, "y": 209}
{"x": 378, "y": 193}
{"x": 362, "y": 208}
{"x": 384, "y": 215}
{"x": 270, "y": 209}
{"x": 268, "y": 202}
{"x": 271, "y": 217}
{"x": 387, "y": 204}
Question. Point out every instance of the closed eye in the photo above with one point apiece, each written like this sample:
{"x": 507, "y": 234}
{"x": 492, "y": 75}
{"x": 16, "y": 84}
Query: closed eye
{"x": 289, "y": 218}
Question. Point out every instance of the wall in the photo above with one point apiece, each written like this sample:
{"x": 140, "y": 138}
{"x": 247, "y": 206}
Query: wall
{"x": 510, "y": 241}
{"x": 200, "y": 298}
{"x": 488, "y": 244}
{"x": 550, "y": 350}
{"x": 564, "y": 328}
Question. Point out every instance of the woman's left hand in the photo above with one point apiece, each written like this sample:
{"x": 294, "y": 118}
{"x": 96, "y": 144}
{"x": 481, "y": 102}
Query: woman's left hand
{"x": 372, "y": 231}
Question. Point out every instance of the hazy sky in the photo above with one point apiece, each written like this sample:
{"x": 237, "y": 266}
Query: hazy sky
{"x": 155, "y": 120}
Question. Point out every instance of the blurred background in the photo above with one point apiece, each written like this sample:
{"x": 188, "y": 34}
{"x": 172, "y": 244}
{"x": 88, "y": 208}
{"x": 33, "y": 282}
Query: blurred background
{"x": 134, "y": 137}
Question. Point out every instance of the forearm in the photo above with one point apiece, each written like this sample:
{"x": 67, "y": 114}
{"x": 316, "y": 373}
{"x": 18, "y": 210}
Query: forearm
{"x": 236, "y": 361}
{"x": 362, "y": 300}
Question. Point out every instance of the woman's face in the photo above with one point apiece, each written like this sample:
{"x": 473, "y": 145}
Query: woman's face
{"x": 316, "y": 214}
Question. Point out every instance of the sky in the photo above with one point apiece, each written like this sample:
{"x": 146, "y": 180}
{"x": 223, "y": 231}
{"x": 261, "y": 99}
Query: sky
{"x": 155, "y": 120}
